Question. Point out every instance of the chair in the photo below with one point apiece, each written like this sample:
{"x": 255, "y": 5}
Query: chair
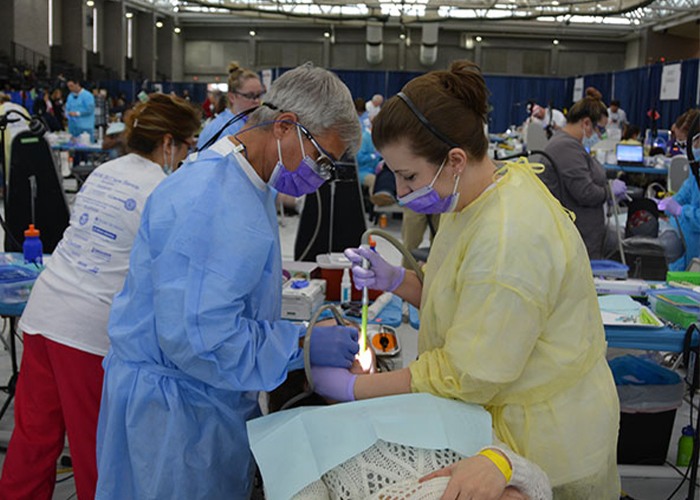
{"x": 34, "y": 193}
{"x": 333, "y": 218}
{"x": 535, "y": 136}
{"x": 678, "y": 172}
{"x": 643, "y": 251}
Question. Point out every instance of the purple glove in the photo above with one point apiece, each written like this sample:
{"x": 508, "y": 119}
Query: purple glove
{"x": 333, "y": 346}
{"x": 619, "y": 188}
{"x": 380, "y": 276}
{"x": 671, "y": 206}
{"x": 334, "y": 383}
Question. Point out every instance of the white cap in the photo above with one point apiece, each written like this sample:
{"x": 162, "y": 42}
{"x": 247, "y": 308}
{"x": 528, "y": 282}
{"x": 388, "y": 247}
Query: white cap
{"x": 115, "y": 128}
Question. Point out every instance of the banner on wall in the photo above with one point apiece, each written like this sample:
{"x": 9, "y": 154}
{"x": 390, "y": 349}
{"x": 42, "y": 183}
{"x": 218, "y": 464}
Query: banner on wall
{"x": 578, "y": 89}
{"x": 671, "y": 82}
{"x": 266, "y": 78}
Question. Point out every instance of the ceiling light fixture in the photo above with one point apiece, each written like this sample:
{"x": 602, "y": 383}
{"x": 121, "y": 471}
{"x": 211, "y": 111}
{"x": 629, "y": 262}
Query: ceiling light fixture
{"x": 177, "y": 30}
{"x": 252, "y": 33}
{"x": 555, "y": 41}
{"x": 129, "y": 15}
{"x": 159, "y": 24}
{"x": 478, "y": 39}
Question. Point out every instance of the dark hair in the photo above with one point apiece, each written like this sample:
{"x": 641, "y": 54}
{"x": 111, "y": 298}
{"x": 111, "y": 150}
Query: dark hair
{"x": 359, "y": 104}
{"x": 615, "y": 102}
{"x": 454, "y": 102}
{"x": 588, "y": 107}
{"x": 630, "y": 131}
{"x": 161, "y": 114}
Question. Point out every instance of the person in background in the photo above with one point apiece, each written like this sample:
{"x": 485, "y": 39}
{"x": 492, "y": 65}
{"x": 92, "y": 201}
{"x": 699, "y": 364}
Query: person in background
{"x": 245, "y": 90}
{"x": 43, "y": 108}
{"x": 114, "y": 140}
{"x": 684, "y": 206}
{"x": 101, "y": 108}
{"x": 58, "y": 105}
{"x": 550, "y": 118}
{"x": 617, "y": 118}
{"x": 65, "y": 320}
{"x": 576, "y": 179}
{"x": 630, "y": 135}
{"x": 374, "y": 106}
{"x": 367, "y": 157}
{"x": 196, "y": 331}
{"x": 599, "y": 132}
{"x": 80, "y": 110}
{"x": 679, "y": 133}
{"x": 509, "y": 316}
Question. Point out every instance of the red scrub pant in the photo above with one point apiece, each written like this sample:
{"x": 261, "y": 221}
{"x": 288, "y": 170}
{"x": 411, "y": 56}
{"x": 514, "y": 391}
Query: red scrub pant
{"x": 58, "y": 391}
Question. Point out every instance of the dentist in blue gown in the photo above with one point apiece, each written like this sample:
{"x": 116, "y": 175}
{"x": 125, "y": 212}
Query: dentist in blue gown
{"x": 196, "y": 331}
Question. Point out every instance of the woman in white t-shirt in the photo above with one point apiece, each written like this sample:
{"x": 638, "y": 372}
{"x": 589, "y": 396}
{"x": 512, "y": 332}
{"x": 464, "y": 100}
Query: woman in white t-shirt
{"x": 65, "y": 320}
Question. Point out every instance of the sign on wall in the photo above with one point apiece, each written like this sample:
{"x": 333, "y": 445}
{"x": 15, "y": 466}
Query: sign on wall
{"x": 578, "y": 89}
{"x": 671, "y": 82}
{"x": 266, "y": 78}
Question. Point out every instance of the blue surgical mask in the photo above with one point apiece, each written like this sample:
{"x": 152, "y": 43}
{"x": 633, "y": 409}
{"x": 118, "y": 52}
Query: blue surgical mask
{"x": 589, "y": 142}
{"x": 427, "y": 201}
{"x": 307, "y": 177}
{"x": 696, "y": 154}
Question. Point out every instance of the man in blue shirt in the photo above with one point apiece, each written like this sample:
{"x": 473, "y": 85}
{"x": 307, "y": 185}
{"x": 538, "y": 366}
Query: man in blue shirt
{"x": 80, "y": 110}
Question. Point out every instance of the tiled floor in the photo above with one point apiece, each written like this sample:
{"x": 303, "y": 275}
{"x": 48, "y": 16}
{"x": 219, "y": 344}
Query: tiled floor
{"x": 641, "y": 483}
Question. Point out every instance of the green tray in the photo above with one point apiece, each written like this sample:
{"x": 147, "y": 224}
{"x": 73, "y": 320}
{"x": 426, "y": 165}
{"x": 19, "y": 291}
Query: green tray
{"x": 674, "y": 314}
{"x": 683, "y": 276}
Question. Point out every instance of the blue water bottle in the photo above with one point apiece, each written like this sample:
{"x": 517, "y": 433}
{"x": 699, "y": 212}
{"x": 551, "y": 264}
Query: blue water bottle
{"x": 32, "y": 247}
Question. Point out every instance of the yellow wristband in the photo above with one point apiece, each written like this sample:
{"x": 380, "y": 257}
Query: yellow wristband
{"x": 499, "y": 461}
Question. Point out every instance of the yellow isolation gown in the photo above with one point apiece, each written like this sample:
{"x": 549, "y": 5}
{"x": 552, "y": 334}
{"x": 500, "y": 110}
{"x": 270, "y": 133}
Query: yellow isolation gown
{"x": 510, "y": 320}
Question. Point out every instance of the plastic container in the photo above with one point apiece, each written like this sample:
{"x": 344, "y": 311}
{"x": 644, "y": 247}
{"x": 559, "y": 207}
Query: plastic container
{"x": 332, "y": 266}
{"x": 680, "y": 315}
{"x": 609, "y": 269}
{"x": 16, "y": 284}
{"x": 685, "y": 447}
{"x": 649, "y": 397}
{"x": 32, "y": 248}
{"x": 346, "y": 287}
{"x": 683, "y": 276}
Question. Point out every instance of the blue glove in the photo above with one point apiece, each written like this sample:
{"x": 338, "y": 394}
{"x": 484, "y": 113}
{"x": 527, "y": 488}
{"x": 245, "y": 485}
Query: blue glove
{"x": 334, "y": 383}
{"x": 334, "y": 346}
{"x": 380, "y": 276}
{"x": 671, "y": 206}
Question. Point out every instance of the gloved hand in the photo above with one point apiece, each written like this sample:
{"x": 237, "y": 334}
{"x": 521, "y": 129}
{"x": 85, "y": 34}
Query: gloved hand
{"x": 334, "y": 346}
{"x": 619, "y": 189}
{"x": 334, "y": 383}
{"x": 671, "y": 206}
{"x": 380, "y": 276}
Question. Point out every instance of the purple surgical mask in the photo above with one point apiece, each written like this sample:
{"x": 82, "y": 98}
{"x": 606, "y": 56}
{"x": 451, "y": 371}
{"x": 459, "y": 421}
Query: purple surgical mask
{"x": 427, "y": 201}
{"x": 307, "y": 177}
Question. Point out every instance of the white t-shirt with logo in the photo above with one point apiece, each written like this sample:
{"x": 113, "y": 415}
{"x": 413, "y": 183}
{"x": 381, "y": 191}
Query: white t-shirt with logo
{"x": 70, "y": 301}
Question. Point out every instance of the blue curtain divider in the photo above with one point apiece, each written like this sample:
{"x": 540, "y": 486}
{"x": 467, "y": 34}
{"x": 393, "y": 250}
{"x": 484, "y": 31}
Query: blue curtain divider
{"x": 636, "y": 89}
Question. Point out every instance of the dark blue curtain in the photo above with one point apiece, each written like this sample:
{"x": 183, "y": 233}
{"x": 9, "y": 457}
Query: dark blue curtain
{"x": 638, "y": 92}
{"x": 601, "y": 81}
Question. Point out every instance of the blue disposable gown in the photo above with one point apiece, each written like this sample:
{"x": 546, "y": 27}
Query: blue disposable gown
{"x": 689, "y": 221}
{"x": 195, "y": 332}
{"x": 213, "y": 127}
{"x": 83, "y": 103}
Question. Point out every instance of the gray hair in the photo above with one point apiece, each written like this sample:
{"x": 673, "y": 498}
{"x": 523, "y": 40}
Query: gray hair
{"x": 321, "y": 101}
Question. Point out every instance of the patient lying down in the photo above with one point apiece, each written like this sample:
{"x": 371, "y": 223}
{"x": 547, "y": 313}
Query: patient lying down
{"x": 392, "y": 471}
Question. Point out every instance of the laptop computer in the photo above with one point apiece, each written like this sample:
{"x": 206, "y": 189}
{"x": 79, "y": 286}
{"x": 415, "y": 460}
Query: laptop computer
{"x": 630, "y": 155}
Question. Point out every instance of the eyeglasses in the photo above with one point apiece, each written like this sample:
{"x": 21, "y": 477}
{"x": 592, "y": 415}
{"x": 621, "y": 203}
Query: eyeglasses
{"x": 251, "y": 96}
{"x": 325, "y": 161}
